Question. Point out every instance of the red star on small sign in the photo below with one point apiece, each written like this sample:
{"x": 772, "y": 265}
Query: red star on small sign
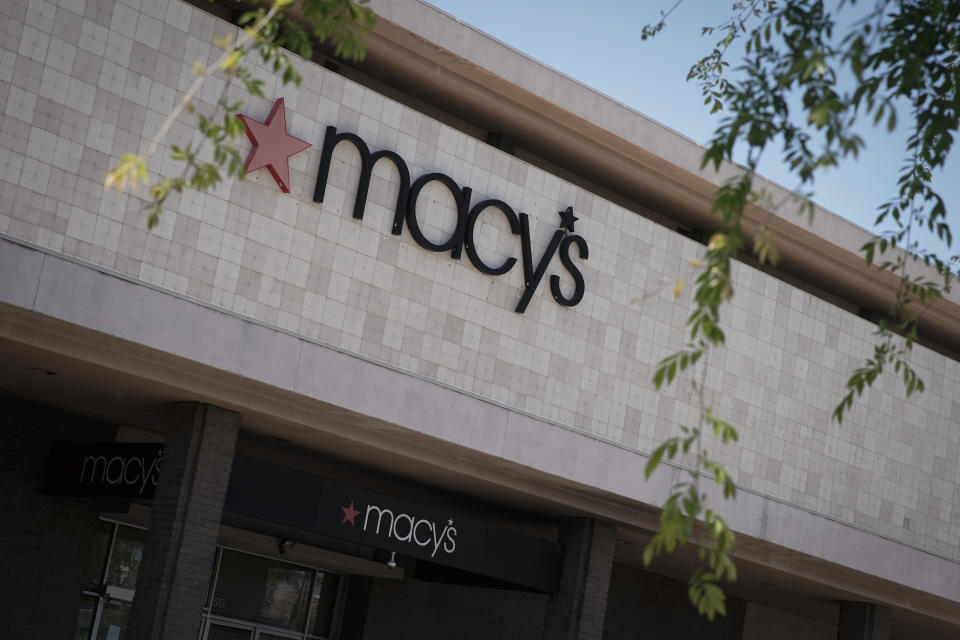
{"x": 272, "y": 145}
{"x": 350, "y": 514}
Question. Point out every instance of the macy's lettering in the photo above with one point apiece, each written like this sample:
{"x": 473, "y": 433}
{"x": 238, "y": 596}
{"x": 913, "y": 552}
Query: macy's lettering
{"x": 406, "y": 528}
{"x": 463, "y": 235}
{"x": 128, "y": 471}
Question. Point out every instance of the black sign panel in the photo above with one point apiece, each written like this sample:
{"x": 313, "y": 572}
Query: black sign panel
{"x": 306, "y": 501}
{"x": 103, "y": 469}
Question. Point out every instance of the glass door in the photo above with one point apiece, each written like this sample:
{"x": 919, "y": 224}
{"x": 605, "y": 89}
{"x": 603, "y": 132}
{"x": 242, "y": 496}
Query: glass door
{"x": 111, "y": 580}
{"x": 270, "y": 599}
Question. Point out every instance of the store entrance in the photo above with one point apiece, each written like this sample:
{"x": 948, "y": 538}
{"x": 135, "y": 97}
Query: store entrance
{"x": 252, "y": 597}
{"x": 110, "y": 581}
{"x": 259, "y": 598}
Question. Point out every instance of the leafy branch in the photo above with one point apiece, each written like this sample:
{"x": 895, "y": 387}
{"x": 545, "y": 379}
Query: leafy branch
{"x": 651, "y": 30}
{"x": 919, "y": 63}
{"x": 685, "y": 514}
{"x": 788, "y": 94}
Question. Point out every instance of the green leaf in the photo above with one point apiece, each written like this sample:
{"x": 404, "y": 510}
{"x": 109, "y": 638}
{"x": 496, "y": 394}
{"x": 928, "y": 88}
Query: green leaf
{"x": 654, "y": 460}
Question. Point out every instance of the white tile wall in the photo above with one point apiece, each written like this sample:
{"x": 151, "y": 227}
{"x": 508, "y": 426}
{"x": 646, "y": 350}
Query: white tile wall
{"x": 281, "y": 259}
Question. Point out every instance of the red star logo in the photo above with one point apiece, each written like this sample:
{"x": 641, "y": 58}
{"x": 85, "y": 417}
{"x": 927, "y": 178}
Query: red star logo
{"x": 350, "y": 514}
{"x": 272, "y": 145}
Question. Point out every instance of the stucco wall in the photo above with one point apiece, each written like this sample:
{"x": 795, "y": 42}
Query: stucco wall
{"x": 80, "y": 83}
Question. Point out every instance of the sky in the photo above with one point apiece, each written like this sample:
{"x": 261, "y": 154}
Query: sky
{"x": 597, "y": 42}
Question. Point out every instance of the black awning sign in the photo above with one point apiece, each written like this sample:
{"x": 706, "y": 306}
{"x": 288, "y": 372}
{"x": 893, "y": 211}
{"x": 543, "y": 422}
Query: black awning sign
{"x": 103, "y": 469}
{"x": 306, "y": 501}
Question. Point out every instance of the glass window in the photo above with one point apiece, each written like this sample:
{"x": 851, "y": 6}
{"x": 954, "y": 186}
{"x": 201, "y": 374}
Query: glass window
{"x": 113, "y": 620}
{"x": 323, "y": 603}
{"x": 218, "y": 631}
{"x": 125, "y": 557}
{"x": 261, "y": 590}
{"x": 88, "y": 608}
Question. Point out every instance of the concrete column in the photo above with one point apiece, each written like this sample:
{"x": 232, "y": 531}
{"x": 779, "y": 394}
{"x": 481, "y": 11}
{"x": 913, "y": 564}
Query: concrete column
{"x": 181, "y": 543}
{"x": 863, "y": 621}
{"x": 577, "y": 610}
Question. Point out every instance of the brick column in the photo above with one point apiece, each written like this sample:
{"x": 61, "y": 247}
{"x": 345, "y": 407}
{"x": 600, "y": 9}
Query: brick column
{"x": 576, "y": 611}
{"x": 863, "y": 621}
{"x": 181, "y": 543}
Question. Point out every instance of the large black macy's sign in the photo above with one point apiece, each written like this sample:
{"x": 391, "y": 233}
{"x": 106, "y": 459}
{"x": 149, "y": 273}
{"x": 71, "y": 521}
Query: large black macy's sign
{"x": 463, "y": 235}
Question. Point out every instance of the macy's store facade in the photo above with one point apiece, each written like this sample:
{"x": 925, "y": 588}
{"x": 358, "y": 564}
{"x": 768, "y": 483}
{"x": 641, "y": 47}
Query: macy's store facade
{"x": 395, "y": 383}
{"x": 296, "y": 553}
